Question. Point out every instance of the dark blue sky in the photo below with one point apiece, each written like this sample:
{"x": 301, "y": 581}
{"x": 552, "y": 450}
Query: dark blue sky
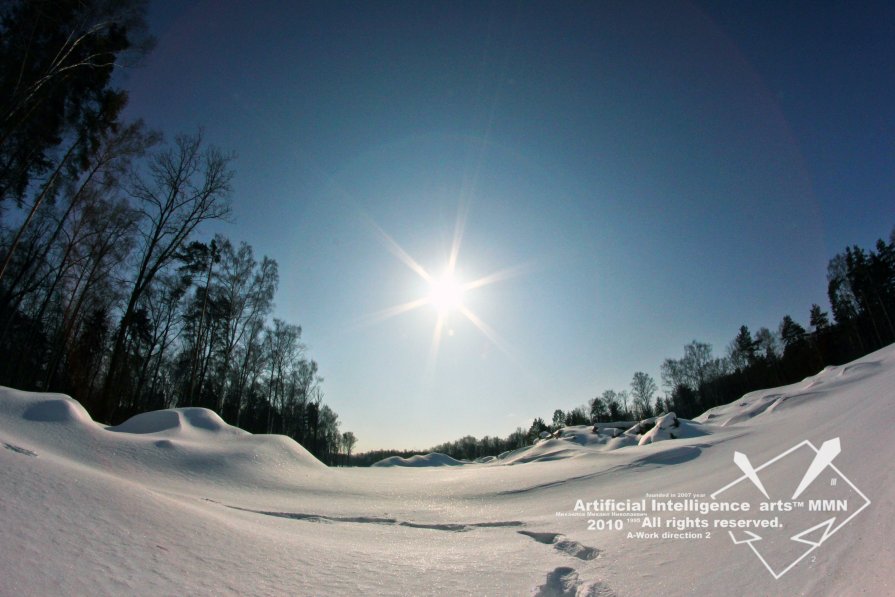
{"x": 658, "y": 171}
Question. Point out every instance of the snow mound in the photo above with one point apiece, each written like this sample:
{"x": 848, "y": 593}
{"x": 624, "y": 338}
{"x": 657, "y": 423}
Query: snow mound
{"x": 42, "y": 408}
{"x": 57, "y": 410}
{"x": 421, "y": 460}
{"x": 180, "y": 444}
{"x": 583, "y": 435}
{"x": 178, "y": 421}
{"x": 262, "y": 458}
{"x": 579, "y": 440}
{"x": 666, "y": 426}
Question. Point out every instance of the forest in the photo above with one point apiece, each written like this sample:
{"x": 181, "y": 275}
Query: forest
{"x": 108, "y": 292}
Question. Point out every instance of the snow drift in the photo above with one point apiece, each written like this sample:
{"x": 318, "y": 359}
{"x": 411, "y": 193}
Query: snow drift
{"x": 419, "y": 460}
{"x": 182, "y": 442}
{"x": 574, "y": 441}
{"x": 178, "y": 422}
{"x": 178, "y": 502}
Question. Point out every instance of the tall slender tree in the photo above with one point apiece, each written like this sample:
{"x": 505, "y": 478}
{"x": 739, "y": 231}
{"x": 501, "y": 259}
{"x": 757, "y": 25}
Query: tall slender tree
{"x": 185, "y": 186}
{"x": 643, "y": 388}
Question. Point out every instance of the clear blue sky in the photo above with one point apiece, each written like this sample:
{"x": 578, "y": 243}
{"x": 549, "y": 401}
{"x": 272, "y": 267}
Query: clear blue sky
{"x": 657, "y": 172}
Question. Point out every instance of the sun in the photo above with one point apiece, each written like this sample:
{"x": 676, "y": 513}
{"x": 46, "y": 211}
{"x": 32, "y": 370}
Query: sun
{"x": 446, "y": 293}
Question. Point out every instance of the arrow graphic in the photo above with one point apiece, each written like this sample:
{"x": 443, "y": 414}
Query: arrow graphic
{"x": 828, "y": 451}
{"x": 803, "y": 536}
{"x": 752, "y": 537}
{"x": 742, "y": 461}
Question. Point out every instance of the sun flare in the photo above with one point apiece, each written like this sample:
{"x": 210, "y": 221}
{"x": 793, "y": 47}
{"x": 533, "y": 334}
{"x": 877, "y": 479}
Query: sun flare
{"x": 446, "y": 293}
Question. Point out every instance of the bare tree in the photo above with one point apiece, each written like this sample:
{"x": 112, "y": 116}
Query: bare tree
{"x": 185, "y": 186}
{"x": 283, "y": 348}
{"x": 349, "y": 440}
{"x": 247, "y": 291}
{"x": 767, "y": 344}
{"x": 623, "y": 398}
{"x": 643, "y": 387}
{"x": 673, "y": 375}
{"x": 163, "y": 303}
{"x": 94, "y": 258}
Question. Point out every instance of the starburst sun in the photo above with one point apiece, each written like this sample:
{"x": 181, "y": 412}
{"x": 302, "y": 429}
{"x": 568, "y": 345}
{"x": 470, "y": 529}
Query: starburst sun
{"x": 445, "y": 293}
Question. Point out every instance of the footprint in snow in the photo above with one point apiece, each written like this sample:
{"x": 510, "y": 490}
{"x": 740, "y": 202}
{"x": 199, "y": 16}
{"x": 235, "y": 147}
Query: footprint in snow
{"x": 564, "y": 582}
{"x": 566, "y": 546}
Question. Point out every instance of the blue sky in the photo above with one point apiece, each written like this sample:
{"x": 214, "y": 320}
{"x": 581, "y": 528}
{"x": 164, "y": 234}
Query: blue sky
{"x": 656, "y": 172}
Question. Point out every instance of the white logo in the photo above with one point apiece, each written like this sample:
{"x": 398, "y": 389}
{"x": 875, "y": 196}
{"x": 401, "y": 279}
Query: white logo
{"x": 805, "y": 506}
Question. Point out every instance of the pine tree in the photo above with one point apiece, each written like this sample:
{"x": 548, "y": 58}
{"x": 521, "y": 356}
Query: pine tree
{"x": 819, "y": 319}
{"x": 791, "y": 332}
{"x": 742, "y": 352}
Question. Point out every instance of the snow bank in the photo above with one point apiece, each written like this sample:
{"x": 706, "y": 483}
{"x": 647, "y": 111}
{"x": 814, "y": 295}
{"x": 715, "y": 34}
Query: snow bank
{"x": 43, "y": 408}
{"x": 815, "y": 387}
{"x": 178, "y": 422}
{"x": 580, "y": 440}
{"x": 668, "y": 426}
{"x": 570, "y": 442}
{"x": 421, "y": 460}
{"x": 181, "y": 443}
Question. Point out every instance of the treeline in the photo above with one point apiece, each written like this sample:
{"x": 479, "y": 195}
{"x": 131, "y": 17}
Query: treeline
{"x": 861, "y": 292}
{"x": 465, "y": 448}
{"x": 105, "y": 292}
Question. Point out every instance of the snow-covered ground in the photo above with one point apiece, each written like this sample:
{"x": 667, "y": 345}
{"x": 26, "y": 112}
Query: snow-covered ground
{"x": 179, "y": 503}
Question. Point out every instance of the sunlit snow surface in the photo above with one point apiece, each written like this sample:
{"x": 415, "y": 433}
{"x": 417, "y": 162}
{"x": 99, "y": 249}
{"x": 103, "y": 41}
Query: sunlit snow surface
{"x": 178, "y": 502}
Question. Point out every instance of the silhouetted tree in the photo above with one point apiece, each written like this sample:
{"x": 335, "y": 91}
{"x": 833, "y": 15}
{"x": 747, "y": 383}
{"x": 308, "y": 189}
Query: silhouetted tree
{"x": 186, "y": 186}
{"x": 348, "y": 442}
{"x": 643, "y": 388}
{"x": 819, "y": 319}
{"x": 742, "y": 350}
{"x": 599, "y": 410}
{"x": 537, "y": 427}
{"x": 559, "y": 419}
{"x": 791, "y": 332}
{"x": 56, "y": 99}
{"x": 684, "y": 401}
{"x": 577, "y": 416}
{"x": 767, "y": 345}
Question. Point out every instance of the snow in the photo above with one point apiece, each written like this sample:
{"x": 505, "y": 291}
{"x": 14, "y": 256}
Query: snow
{"x": 178, "y": 502}
{"x": 431, "y": 459}
{"x": 57, "y": 409}
{"x": 815, "y": 387}
{"x": 178, "y": 422}
{"x": 669, "y": 426}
